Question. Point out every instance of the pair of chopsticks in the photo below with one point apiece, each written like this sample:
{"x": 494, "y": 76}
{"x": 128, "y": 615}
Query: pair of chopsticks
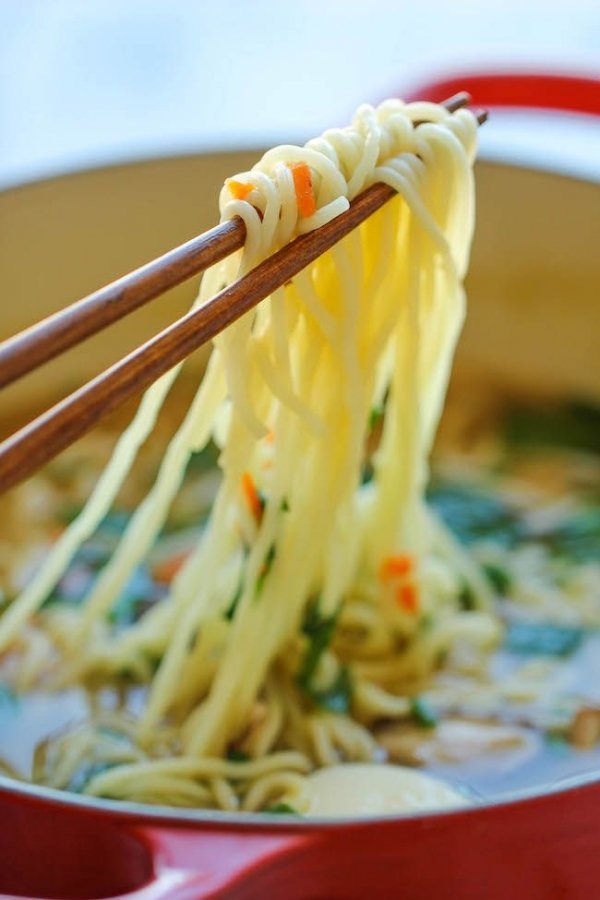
{"x": 43, "y": 438}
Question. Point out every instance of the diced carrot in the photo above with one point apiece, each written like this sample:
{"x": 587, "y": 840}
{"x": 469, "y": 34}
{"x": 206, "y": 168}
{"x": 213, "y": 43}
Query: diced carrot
{"x": 304, "y": 189}
{"x": 252, "y": 496}
{"x": 395, "y": 567}
{"x": 165, "y": 571}
{"x": 239, "y": 189}
{"x": 270, "y": 437}
{"x": 407, "y": 597}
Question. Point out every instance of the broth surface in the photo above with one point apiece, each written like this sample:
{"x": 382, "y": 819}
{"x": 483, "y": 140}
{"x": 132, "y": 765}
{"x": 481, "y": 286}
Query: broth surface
{"x": 520, "y": 487}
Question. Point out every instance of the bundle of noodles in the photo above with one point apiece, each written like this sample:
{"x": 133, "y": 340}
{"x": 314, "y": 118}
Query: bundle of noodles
{"x": 318, "y": 591}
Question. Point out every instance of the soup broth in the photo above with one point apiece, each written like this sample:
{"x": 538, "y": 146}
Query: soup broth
{"x": 519, "y": 487}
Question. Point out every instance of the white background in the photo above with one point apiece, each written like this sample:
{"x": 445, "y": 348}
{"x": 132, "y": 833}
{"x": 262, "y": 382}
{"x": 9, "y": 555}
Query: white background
{"x": 88, "y": 81}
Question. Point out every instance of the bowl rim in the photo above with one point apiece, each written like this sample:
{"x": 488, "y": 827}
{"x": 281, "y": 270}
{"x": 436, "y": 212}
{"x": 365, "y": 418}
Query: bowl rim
{"x": 126, "y": 810}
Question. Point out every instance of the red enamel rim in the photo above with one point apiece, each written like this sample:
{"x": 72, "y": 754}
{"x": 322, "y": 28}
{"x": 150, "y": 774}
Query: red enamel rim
{"x": 572, "y": 93}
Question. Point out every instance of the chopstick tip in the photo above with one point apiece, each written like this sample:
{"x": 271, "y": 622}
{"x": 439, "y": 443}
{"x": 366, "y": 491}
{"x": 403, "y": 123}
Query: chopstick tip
{"x": 457, "y": 101}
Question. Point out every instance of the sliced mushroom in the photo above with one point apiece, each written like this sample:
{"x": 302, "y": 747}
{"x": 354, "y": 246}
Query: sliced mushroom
{"x": 452, "y": 741}
{"x": 585, "y": 728}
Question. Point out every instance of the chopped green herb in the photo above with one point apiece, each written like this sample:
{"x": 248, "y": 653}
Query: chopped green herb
{"x": 68, "y": 513}
{"x": 237, "y": 756}
{"x": 542, "y": 639}
{"x": 466, "y": 598}
{"x": 153, "y": 661}
{"x": 285, "y": 506}
{"x": 282, "y": 809}
{"x": 498, "y": 577}
{"x": 367, "y": 474}
{"x": 319, "y": 629}
{"x": 260, "y": 581}
{"x": 204, "y": 459}
{"x": 230, "y": 611}
{"x": 375, "y": 416}
{"x": 422, "y": 712}
{"x": 54, "y": 599}
{"x": 127, "y": 673}
{"x": 474, "y": 515}
{"x": 575, "y": 426}
{"x": 143, "y": 668}
{"x": 335, "y": 698}
{"x": 576, "y": 538}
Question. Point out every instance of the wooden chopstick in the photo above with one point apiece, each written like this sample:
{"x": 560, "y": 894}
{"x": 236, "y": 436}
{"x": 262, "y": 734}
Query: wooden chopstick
{"x": 64, "y": 329}
{"x": 54, "y": 335}
{"x": 39, "y": 441}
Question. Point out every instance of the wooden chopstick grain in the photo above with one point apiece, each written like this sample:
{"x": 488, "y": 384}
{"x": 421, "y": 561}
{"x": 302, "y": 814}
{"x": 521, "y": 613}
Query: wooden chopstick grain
{"x": 64, "y": 329}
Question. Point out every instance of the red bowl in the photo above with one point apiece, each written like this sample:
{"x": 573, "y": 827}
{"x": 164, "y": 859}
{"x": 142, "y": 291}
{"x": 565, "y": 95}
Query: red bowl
{"x": 536, "y": 847}
{"x": 540, "y": 848}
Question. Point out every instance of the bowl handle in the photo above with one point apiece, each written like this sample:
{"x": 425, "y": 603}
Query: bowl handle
{"x": 52, "y": 848}
{"x": 533, "y": 90}
{"x": 217, "y": 861}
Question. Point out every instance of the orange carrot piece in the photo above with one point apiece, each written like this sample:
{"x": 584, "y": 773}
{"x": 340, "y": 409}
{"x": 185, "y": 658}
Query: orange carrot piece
{"x": 395, "y": 567}
{"x": 165, "y": 571}
{"x": 304, "y": 190}
{"x": 270, "y": 437}
{"x": 252, "y": 496}
{"x": 239, "y": 189}
{"x": 407, "y": 597}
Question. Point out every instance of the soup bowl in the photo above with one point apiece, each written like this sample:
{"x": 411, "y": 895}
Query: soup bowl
{"x": 533, "y": 293}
